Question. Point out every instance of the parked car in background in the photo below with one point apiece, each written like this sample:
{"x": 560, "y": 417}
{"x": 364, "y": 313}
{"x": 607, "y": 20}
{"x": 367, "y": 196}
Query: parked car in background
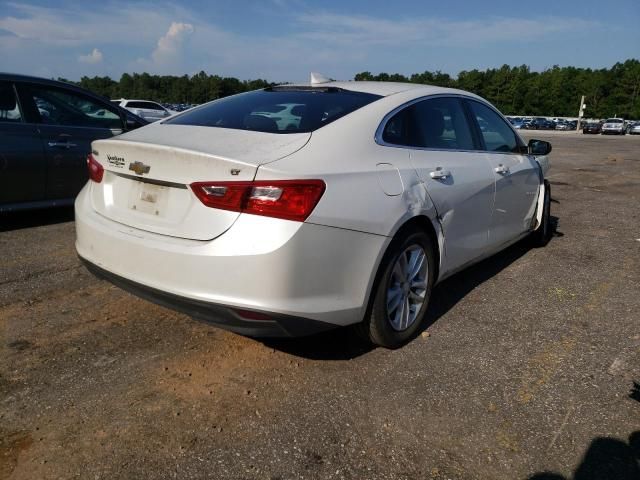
{"x": 614, "y": 126}
{"x": 178, "y": 107}
{"x": 541, "y": 123}
{"x": 634, "y": 128}
{"x": 564, "y": 126}
{"x": 592, "y": 127}
{"x": 46, "y": 130}
{"x": 150, "y": 111}
{"x": 346, "y": 213}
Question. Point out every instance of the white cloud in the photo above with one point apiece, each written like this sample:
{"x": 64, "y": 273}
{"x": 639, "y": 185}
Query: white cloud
{"x": 171, "y": 42}
{"x": 92, "y": 58}
{"x": 76, "y": 25}
{"x": 164, "y": 38}
{"x": 362, "y": 30}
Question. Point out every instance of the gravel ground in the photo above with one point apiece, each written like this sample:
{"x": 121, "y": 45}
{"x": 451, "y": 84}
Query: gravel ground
{"x": 529, "y": 364}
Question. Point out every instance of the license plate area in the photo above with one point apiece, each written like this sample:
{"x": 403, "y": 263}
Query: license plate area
{"x": 149, "y": 199}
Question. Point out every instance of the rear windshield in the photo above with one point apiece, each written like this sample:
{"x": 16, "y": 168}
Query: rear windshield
{"x": 277, "y": 110}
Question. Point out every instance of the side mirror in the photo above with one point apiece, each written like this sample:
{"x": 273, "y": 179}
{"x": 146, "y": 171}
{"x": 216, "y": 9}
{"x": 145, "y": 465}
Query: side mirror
{"x": 539, "y": 147}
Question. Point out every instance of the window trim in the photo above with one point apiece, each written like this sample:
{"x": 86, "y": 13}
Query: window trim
{"x": 478, "y": 132}
{"x": 477, "y": 139}
{"x": 18, "y": 104}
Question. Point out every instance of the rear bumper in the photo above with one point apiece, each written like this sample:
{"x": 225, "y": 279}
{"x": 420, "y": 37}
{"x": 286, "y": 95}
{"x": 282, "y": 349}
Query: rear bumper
{"x": 218, "y": 315}
{"x": 297, "y": 272}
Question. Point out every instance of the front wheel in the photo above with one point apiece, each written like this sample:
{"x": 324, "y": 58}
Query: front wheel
{"x": 401, "y": 291}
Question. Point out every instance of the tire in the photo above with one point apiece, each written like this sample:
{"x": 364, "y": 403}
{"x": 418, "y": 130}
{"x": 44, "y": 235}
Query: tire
{"x": 541, "y": 236}
{"x": 391, "y": 327}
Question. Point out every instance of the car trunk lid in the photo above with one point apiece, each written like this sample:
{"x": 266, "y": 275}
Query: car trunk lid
{"x": 148, "y": 173}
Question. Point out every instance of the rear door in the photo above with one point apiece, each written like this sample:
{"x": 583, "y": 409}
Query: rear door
{"x": 22, "y": 163}
{"x": 517, "y": 175}
{"x": 68, "y": 122}
{"x": 457, "y": 177}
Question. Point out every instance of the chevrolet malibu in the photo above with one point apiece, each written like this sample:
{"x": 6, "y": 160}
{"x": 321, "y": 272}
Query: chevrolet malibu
{"x": 347, "y": 210}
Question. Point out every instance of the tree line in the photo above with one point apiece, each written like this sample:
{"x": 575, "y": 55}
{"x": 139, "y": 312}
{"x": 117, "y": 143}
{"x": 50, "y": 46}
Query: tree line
{"x": 514, "y": 90}
{"x": 554, "y": 92}
{"x": 198, "y": 88}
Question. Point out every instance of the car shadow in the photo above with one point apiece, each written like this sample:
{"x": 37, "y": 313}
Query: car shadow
{"x": 449, "y": 292}
{"x": 555, "y": 224}
{"x": 35, "y": 218}
{"x": 635, "y": 392}
{"x": 606, "y": 458}
{"x": 345, "y": 344}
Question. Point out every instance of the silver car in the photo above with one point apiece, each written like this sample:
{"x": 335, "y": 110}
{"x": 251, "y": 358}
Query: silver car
{"x": 614, "y": 126}
{"x": 348, "y": 212}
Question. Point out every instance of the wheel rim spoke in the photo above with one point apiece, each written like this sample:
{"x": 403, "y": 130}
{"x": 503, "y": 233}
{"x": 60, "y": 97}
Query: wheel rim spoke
{"x": 416, "y": 264}
{"x": 416, "y": 296}
{"x": 419, "y": 284}
{"x": 393, "y": 299}
{"x": 405, "y": 313}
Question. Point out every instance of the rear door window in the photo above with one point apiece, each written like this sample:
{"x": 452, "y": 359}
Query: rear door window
{"x": 277, "y": 110}
{"x": 432, "y": 123}
{"x": 9, "y": 107}
{"x": 57, "y": 106}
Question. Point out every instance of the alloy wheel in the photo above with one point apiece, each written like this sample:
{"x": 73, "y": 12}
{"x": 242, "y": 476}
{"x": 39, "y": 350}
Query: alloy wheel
{"x": 407, "y": 288}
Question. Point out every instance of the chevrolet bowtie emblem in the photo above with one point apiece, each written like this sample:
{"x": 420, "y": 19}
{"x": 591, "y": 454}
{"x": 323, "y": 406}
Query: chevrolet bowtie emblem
{"x": 139, "y": 167}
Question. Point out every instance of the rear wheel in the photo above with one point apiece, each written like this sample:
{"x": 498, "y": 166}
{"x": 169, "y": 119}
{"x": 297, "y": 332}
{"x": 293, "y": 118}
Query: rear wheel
{"x": 401, "y": 292}
{"x": 541, "y": 236}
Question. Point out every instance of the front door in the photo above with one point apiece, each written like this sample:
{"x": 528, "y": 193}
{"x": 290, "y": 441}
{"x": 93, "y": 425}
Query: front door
{"x": 516, "y": 174}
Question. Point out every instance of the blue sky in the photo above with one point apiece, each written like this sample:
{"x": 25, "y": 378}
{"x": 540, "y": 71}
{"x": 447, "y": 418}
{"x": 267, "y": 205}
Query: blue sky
{"x": 283, "y": 40}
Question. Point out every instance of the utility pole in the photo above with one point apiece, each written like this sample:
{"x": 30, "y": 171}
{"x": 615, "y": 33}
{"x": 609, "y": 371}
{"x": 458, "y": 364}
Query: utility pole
{"x": 581, "y": 113}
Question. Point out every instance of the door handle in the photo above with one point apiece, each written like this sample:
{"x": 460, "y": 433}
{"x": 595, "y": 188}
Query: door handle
{"x": 502, "y": 170}
{"x": 439, "y": 174}
{"x": 66, "y": 145}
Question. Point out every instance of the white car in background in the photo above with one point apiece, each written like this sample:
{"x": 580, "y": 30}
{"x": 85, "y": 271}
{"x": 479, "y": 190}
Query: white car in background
{"x": 347, "y": 213}
{"x": 615, "y": 126}
{"x": 150, "y": 111}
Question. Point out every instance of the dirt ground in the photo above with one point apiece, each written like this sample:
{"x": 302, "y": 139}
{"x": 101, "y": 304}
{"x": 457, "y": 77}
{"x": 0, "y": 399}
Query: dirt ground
{"x": 531, "y": 365}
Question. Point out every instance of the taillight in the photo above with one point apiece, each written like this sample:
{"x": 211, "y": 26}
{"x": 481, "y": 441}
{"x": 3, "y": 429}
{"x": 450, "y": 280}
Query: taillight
{"x": 96, "y": 171}
{"x": 287, "y": 199}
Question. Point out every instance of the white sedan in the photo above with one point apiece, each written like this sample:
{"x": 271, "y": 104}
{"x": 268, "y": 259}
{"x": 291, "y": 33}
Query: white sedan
{"x": 347, "y": 213}
{"x": 150, "y": 111}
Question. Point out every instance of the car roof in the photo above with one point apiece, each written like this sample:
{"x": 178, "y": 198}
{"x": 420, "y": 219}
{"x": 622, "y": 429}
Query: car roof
{"x": 16, "y": 77}
{"x": 381, "y": 88}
